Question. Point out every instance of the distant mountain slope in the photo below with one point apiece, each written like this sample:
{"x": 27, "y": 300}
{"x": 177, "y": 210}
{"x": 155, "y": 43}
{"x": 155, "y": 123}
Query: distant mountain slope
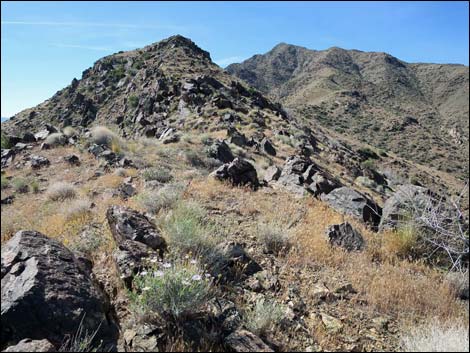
{"x": 419, "y": 111}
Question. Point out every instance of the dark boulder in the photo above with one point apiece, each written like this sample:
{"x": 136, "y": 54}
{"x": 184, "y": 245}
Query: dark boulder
{"x": 46, "y": 293}
{"x": 245, "y": 341}
{"x": 28, "y": 138}
{"x": 268, "y": 147}
{"x": 236, "y": 137}
{"x": 345, "y": 236}
{"x": 238, "y": 172}
{"x": 39, "y": 162}
{"x": 128, "y": 224}
{"x": 221, "y": 151}
{"x": 355, "y": 204}
{"x": 321, "y": 184}
{"x": 72, "y": 159}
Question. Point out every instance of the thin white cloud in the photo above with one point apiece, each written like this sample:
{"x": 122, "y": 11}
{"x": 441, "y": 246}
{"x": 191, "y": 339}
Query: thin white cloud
{"x": 230, "y": 60}
{"x": 91, "y": 24}
{"x": 79, "y": 46}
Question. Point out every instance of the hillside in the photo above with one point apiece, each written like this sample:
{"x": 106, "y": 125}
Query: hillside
{"x": 418, "y": 111}
{"x": 160, "y": 204}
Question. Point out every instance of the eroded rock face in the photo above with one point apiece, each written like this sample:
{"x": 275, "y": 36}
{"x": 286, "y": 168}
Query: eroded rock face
{"x": 395, "y": 208}
{"x": 46, "y": 293}
{"x": 272, "y": 174}
{"x": 345, "y": 236}
{"x": 238, "y": 172}
{"x": 128, "y": 224}
{"x": 353, "y": 203}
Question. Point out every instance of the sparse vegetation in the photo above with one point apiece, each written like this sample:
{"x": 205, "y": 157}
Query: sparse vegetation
{"x": 173, "y": 291}
{"x": 103, "y": 136}
{"x": 161, "y": 175}
{"x": 263, "y": 316}
{"x": 61, "y": 191}
{"x": 56, "y": 139}
{"x": 133, "y": 101}
{"x": 78, "y": 208}
{"x": 164, "y": 198}
{"x": 20, "y": 185}
{"x": 274, "y": 238}
{"x": 69, "y": 131}
{"x": 4, "y": 142}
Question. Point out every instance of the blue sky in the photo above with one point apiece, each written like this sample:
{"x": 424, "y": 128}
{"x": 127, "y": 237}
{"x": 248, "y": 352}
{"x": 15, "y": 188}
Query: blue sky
{"x": 46, "y": 44}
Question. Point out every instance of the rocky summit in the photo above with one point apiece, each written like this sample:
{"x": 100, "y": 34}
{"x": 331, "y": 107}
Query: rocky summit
{"x": 161, "y": 203}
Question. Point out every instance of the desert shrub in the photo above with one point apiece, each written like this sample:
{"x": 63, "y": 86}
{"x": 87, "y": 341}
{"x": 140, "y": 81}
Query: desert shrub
{"x": 161, "y": 175}
{"x": 368, "y": 153}
{"x": 368, "y": 164}
{"x": 89, "y": 240}
{"x": 206, "y": 139}
{"x": 133, "y": 101}
{"x": 459, "y": 283}
{"x": 175, "y": 291}
{"x": 186, "y": 229}
{"x": 20, "y": 185}
{"x": 274, "y": 237}
{"x": 164, "y": 198}
{"x": 403, "y": 242}
{"x": 103, "y": 136}
{"x": 4, "y": 141}
{"x": 77, "y": 208}
{"x": 56, "y": 139}
{"x": 69, "y": 131}
{"x": 199, "y": 160}
{"x": 5, "y": 183}
{"x": 82, "y": 340}
{"x": 437, "y": 337}
{"x": 34, "y": 186}
{"x": 61, "y": 191}
{"x": 263, "y": 316}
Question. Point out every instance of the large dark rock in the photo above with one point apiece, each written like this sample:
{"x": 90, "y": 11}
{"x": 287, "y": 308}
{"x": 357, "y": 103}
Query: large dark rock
{"x": 321, "y": 184}
{"x": 221, "y": 151}
{"x": 128, "y": 224}
{"x": 46, "y": 294}
{"x": 28, "y": 137}
{"x": 238, "y": 172}
{"x": 397, "y": 207}
{"x": 268, "y": 147}
{"x": 353, "y": 203}
{"x": 39, "y": 161}
{"x": 245, "y": 341}
{"x": 296, "y": 173}
{"x": 130, "y": 258}
{"x": 236, "y": 137}
{"x": 345, "y": 236}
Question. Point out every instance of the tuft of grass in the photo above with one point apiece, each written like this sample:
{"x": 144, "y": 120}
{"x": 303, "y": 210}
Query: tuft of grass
{"x": 20, "y": 185}
{"x": 76, "y": 209}
{"x": 172, "y": 291}
{"x": 161, "y": 175}
{"x": 34, "y": 186}
{"x": 56, "y": 139}
{"x": 164, "y": 198}
{"x": 82, "y": 340}
{"x": 4, "y": 141}
{"x": 403, "y": 242}
{"x": 61, "y": 191}
{"x": 69, "y": 131}
{"x": 5, "y": 183}
{"x": 133, "y": 101}
{"x": 264, "y": 316}
{"x": 437, "y": 337}
{"x": 186, "y": 229}
{"x": 275, "y": 239}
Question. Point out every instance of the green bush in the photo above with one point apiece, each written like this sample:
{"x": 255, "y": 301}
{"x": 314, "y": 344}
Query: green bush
{"x": 263, "y": 316}
{"x": 20, "y": 185}
{"x": 164, "y": 198}
{"x": 368, "y": 164}
{"x": 133, "y": 101}
{"x": 5, "y": 183}
{"x": 5, "y": 142}
{"x": 172, "y": 291}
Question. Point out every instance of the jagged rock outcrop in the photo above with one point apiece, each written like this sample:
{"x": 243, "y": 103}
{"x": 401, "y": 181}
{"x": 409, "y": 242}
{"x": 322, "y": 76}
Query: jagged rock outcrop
{"x": 46, "y": 294}
{"x": 238, "y": 172}
{"x": 355, "y": 204}
{"x": 128, "y": 224}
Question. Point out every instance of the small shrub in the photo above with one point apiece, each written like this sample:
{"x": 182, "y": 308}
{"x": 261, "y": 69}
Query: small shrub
{"x": 34, "y": 186}
{"x": 69, "y": 131}
{"x": 122, "y": 172}
{"x": 368, "y": 164}
{"x": 81, "y": 341}
{"x": 20, "y": 185}
{"x": 56, "y": 139}
{"x": 4, "y": 142}
{"x": 161, "y": 175}
{"x": 89, "y": 240}
{"x": 133, "y": 101}
{"x": 403, "y": 242}
{"x": 61, "y": 191}
{"x": 186, "y": 229}
{"x": 76, "y": 209}
{"x": 103, "y": 136}
{"x": 164, "y": 198}
{"x": 274, "y": 238}
{"x": 5, "y": 183}
{"x": 263, "y": 316}
{"x": 437, "y": 337}
{"x": 459, "y": 283}
{"x": 175, "y": 291}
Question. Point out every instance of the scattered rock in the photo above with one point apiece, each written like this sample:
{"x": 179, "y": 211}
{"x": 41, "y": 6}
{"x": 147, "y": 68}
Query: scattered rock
{"x": 8, "y": 200}
{"x": 245, "y": 341}
{"x": 127, "y": 224}
{"x": 28, "y": 138}
{"x": 353, "y": 203}
{"x": 29, "y": 345}
{"x": 46, "y": 294}
{"x": 41, "y": 135}
{"x": 39, "y": 162}
{"x": 238, "y": 172}
{"x": 236, "y": 137}
{"x": 272, "y": 174}
{"x": 395, "y": 208}
{"x": 345, "y": 236}
{"x": 126, "y": 190}
{"x": 331, "y": 323}
{"x": 7, "y": 155}
{"x": 226, "y": 315}
{"x": 221, "y": 151}
{"x": 268, "y": 147}
{"x": 72, "y": 159}
{"x": 321, "y": 185}
{"x": 232, "y": 261}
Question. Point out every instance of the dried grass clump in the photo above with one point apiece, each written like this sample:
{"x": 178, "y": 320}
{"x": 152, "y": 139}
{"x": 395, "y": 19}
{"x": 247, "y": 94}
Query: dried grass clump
{"x": 61, "y": 191}
{"x": 103, "y": 136}
{"x": 76, "y": 209}
{"x": 56, "y": 139}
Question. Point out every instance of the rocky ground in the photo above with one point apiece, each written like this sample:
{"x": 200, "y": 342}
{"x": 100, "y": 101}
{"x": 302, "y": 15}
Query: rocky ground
{"x": 214, "y": 224}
